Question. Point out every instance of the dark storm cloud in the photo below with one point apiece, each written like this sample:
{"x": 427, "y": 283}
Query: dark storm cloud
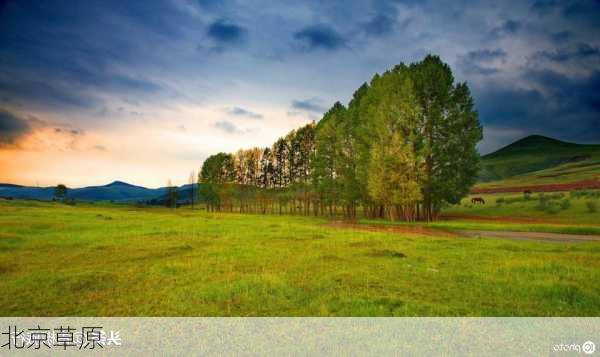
{"x": 582, "y": 9}
{"x": 227, "y": 33}
{"x": 92, "y": 57}
{"x": 519, "y": 109}
{"x": 381, "y": 24}
{"x": 561, "y": 36}
{"x": 15, "y": 127}
{"x": 507, "y": 28}
{"x": 587, "y": 11}
{"x": 319, "y": 36}
{"x": 570, "y": 95}
{"x": 56, "y": 56}
{"x": 67, "y": 88}
{"x": 486, "y": 55}
{"x": 563, "y": 107}
{"x": 543, "y": 7}
{"x": 12, "y": 128}
{"x": 578, "y": 52}
{"x": 44, "y": 94}
{"x": 481, "y": 61}
{"x": 237, "y": 111}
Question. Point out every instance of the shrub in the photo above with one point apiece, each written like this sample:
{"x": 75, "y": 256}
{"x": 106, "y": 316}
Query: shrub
{"x": 585, "y": 193}
{"x": 552, "y": 207}
{"x": 549, "y": 204}
{"x": 565, "y": 204}
{"x": 591, "y": 206}
{"x": 575, "y": 193}
{"x": 543, "y": 202}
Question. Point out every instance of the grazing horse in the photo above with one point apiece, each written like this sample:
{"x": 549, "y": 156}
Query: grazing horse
{"x": 476, "y": 200}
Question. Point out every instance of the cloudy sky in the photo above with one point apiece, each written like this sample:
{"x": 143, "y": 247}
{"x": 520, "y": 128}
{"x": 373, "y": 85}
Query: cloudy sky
{"x": 143, "y": 91}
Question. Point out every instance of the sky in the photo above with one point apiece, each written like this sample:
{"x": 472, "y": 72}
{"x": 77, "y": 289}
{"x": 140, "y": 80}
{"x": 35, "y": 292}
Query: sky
{"x": 143, "y": 91}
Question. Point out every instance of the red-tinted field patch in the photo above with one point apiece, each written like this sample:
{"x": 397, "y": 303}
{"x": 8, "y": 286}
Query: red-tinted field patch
{"x": 578, "y": 185}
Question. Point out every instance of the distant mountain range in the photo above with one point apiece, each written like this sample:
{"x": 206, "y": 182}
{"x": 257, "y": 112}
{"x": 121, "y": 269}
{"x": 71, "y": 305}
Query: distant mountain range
{"x": 534, "y": 159}
{"x": 116, "y": 191}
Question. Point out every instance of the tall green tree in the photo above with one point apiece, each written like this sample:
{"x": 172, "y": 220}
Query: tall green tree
{"x": 393, "y": 164}
{"x": 281, "y": 162}
{"x": 266, "y": 169}
{"x": 304, "y": 150}
{"x": 449, "y": 130}
{"x": 218, "y": 169}
{"x": 208, "y": 193}
{"x": 361, "y": 136}
{"x": 60, "y": 192}
{"x": 404, "y": 147}
{"x": 324, "y": 174}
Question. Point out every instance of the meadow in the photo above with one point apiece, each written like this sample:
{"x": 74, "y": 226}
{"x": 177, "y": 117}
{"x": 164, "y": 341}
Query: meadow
{"x": 580, "y": 207}
{"x": 576, "y": 212}
{"x": 119, "y": 260}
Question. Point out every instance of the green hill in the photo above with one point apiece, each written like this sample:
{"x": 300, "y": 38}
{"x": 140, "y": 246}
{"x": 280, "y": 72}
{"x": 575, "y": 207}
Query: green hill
{"x": 538, "y": 159}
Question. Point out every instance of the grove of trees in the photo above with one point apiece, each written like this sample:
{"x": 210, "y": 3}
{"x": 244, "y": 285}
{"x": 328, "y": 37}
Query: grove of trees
{"x": 403, "y": 147}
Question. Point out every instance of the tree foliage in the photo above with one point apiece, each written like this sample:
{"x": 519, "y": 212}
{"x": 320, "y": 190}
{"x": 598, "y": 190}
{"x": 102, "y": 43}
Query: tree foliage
{"x": 403, "y": 148}
{"x": 60, "y": 192}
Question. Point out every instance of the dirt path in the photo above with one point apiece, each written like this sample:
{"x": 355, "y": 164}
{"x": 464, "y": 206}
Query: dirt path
{"x": 539, "y": 236}
{"x": 423, "y": 231}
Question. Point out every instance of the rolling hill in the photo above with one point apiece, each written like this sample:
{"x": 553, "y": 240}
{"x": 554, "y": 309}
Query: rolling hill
{"x": 116, "y": 191}
{"x": 539, "y": 160}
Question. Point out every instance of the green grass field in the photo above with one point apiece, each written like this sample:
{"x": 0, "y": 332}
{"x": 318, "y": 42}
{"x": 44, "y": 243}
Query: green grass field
{"x": 102, "y": 260}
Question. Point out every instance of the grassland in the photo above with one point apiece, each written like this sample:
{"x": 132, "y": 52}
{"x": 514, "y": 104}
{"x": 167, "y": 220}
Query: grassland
{"x": 567, "y": 208}
{"x": 102, "y": 260}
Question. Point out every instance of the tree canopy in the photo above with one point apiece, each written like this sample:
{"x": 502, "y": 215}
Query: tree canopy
{"x": 404, "y": 147}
